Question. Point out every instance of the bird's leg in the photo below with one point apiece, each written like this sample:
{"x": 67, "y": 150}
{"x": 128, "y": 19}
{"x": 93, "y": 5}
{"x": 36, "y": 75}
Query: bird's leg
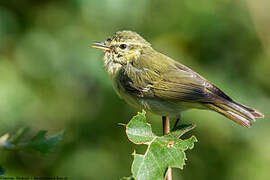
{"x": 166, "y": 125}
{"x": 176, "y": 122}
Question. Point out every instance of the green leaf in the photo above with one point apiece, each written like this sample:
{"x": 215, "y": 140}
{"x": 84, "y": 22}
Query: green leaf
{"x": 181, "y": 130}
{"x": 39, "y": 142}
{"x": 162, "y": 152}
{"x": 138, "y": 131}
{"x": 43, "y": 144}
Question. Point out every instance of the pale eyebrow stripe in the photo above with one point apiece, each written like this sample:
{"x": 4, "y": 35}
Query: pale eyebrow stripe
{"x": 141, "y": 44}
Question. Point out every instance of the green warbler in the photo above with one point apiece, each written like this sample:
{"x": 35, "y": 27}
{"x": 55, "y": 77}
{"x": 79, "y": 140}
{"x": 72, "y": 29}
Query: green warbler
{"x": 152, "y": 81}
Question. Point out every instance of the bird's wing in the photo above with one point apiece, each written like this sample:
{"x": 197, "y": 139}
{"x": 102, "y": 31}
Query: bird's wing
{"x": 169, "y": 80}
{"x": 183, "y": 84}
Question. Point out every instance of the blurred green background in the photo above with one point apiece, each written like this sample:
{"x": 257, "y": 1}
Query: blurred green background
{"x": 50, "y": 78}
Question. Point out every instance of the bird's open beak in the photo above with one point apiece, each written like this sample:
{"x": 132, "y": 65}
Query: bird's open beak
{"x": 102, "y": 46}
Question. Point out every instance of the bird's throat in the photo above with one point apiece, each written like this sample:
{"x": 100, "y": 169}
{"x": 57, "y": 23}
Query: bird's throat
{"x": 111, "y": 66}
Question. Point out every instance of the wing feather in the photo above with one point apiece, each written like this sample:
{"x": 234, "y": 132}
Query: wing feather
{"x": 169, "y": 80}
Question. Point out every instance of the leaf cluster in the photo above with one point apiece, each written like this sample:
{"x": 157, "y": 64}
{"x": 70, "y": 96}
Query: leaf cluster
{"x": 163, "y": 152}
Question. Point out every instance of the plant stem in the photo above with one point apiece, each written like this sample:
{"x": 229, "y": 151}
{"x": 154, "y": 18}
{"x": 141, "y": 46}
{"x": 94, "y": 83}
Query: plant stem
{"x": 166, "y": 130}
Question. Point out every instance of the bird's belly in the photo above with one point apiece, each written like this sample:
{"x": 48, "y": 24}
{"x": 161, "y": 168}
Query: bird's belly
{"x": 162, "y": 107}
{"x": 153, "y": 104}
{"x": 156, "y": 106}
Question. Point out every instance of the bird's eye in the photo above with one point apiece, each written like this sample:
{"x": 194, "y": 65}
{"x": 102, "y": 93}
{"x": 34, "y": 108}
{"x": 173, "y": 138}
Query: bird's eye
{"x": 123, "y": 46}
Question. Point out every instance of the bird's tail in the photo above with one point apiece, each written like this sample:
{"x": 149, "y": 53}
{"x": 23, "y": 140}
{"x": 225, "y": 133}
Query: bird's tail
{"x": 240, "y": 114}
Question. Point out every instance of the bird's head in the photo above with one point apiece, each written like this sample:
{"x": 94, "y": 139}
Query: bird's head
{"x": 122, "y": 47}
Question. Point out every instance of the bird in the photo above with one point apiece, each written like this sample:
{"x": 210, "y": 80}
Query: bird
{"x": 150, "y": 80}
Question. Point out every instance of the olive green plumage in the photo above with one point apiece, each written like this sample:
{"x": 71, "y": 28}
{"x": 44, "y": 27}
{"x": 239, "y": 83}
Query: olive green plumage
{"x": 150, "y": 80}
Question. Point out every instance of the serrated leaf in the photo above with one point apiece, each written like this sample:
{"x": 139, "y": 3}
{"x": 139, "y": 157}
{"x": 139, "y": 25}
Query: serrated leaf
{"x": 181, "y": 130}
{"x": 43, "y": 144}
{"x": 138, "y": 131}
{"x": 162, "y": 152}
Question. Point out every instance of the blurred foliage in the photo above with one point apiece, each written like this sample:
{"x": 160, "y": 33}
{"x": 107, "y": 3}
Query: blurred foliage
{"x": 51, "y": 79}
{"x": 20, "y": 142}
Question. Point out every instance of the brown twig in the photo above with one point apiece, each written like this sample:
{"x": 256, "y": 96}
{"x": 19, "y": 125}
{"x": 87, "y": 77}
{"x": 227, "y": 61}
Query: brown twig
{"x": 166, "y": 130}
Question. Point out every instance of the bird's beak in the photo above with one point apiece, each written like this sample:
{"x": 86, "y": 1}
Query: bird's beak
{"x": 102, "y": 46}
